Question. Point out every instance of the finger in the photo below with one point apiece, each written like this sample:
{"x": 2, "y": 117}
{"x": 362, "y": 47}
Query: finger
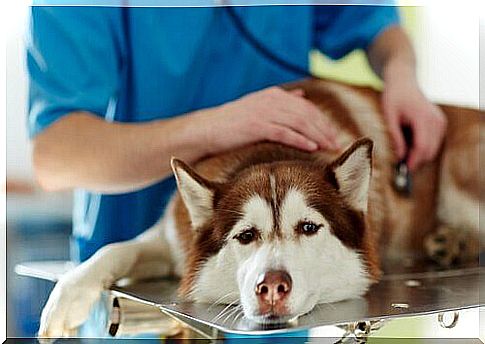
{"x": 315, "y": 117}
{"x": 433, "y": 131}
{"x": 420, "y": 147}
{"x": 440, "y": 125}
{"x": 284, "y": 135}
{"x": 395, "y": 130}
{"x": 305, "y": 127}
{"x": 306, "y": 118}
{"x": 433, "y": 146}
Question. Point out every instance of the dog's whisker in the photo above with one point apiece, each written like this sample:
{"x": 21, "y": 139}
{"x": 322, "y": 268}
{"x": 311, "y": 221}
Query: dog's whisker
{"x": 231, "y": 313}
{"x": 240, "y": 312}
{"x": 226, "y": 313}
{"x": 236, "y": 316}
{"x": 221, "y": 313}
{"x": 219, "y": 300}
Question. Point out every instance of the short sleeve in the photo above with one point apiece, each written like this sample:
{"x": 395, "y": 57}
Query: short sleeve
{"x": 74, "y": 59}
{"x": 338, "y": 30}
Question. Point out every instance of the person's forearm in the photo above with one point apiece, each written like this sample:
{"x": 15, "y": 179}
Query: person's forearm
{"x": 84, "y": 151}
{"x": 391, "y": 55}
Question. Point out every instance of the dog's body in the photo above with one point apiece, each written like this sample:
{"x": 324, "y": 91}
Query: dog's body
{"x": 285, "y": 229}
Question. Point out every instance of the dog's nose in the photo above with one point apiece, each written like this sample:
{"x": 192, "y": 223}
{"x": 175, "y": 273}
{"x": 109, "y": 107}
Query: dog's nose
{"x": 273, "y": 287}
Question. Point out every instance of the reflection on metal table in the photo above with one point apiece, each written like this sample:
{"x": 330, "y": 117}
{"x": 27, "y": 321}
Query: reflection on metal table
{"x": 411, "y": 292}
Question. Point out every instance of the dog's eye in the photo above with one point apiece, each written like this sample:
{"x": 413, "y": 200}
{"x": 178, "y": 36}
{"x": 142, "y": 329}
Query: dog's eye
{"x": 308, "y": 228}
{"x": 247, "y": 236}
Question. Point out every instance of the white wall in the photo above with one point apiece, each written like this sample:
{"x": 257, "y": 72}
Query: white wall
{"x": 18, "y": 149}
{"x": 448, "y": 53}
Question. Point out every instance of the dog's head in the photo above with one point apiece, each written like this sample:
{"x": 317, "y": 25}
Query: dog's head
{"x": 280, "y": 237}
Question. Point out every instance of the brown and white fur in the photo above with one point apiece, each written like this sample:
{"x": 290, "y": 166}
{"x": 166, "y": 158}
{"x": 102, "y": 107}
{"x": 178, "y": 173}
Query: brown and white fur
{"x": 279, "y": 230}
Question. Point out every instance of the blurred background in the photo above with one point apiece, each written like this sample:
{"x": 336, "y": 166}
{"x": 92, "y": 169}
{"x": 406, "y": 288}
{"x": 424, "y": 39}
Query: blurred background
{"x": 446, "y": 39}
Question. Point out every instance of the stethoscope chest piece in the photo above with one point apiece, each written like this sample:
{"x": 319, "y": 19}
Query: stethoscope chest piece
{"x": 403, "y": 181}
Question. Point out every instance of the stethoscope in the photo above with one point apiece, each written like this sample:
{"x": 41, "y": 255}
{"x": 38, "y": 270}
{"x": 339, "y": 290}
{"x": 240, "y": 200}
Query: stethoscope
{"x": 402, "y": 177}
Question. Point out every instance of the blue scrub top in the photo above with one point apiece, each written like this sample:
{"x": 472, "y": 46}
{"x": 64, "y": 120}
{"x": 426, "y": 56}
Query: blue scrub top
{"x": 141, "y": 64}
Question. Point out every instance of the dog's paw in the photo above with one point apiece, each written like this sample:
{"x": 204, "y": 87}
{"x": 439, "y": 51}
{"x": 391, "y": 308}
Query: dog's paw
{"x": 68, "y": 306}
{"x": 448, "y": 246}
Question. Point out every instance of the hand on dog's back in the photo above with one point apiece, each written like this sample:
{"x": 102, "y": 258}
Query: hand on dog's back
{"x": 272, "y": 114}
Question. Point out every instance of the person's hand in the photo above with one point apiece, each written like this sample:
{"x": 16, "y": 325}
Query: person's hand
{"x": 405, "y": 105}
{"x": 272, "y": 114}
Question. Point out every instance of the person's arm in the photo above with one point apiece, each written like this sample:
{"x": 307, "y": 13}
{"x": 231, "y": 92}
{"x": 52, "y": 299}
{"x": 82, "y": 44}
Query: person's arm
{"x": 81, "y": 150}
{"x": 392, "y": 57}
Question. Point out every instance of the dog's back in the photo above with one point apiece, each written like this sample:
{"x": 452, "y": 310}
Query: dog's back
{"x": 445, "y": 192}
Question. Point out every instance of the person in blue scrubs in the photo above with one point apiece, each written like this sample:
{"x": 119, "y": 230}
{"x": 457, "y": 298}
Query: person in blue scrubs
{"x": 115, "y": 92}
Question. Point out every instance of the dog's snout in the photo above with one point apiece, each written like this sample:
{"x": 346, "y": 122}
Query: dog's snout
{"x": 273, "y": 285}
{"x": 272, "y": 289}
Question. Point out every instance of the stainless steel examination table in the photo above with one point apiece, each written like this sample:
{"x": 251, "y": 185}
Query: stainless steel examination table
{"x": 422, "y": 294}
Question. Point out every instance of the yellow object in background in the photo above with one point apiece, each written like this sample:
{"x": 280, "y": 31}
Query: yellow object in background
{"x": 354, "y": 68}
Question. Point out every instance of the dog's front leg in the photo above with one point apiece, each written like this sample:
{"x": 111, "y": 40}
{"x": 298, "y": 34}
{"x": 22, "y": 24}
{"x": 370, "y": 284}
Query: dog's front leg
{"x": 71, "y": 300}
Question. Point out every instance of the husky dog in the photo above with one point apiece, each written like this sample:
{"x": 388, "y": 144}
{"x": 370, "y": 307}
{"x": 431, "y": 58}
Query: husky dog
{"x": 286, "y": 229}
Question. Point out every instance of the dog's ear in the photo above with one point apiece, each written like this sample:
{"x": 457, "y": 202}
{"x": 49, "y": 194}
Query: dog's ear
{"x": 197, "y": 192}
{"x": 351, "y": 173}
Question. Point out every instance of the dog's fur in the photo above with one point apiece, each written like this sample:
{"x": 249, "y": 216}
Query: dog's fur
{"x": 269, "y": 192}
